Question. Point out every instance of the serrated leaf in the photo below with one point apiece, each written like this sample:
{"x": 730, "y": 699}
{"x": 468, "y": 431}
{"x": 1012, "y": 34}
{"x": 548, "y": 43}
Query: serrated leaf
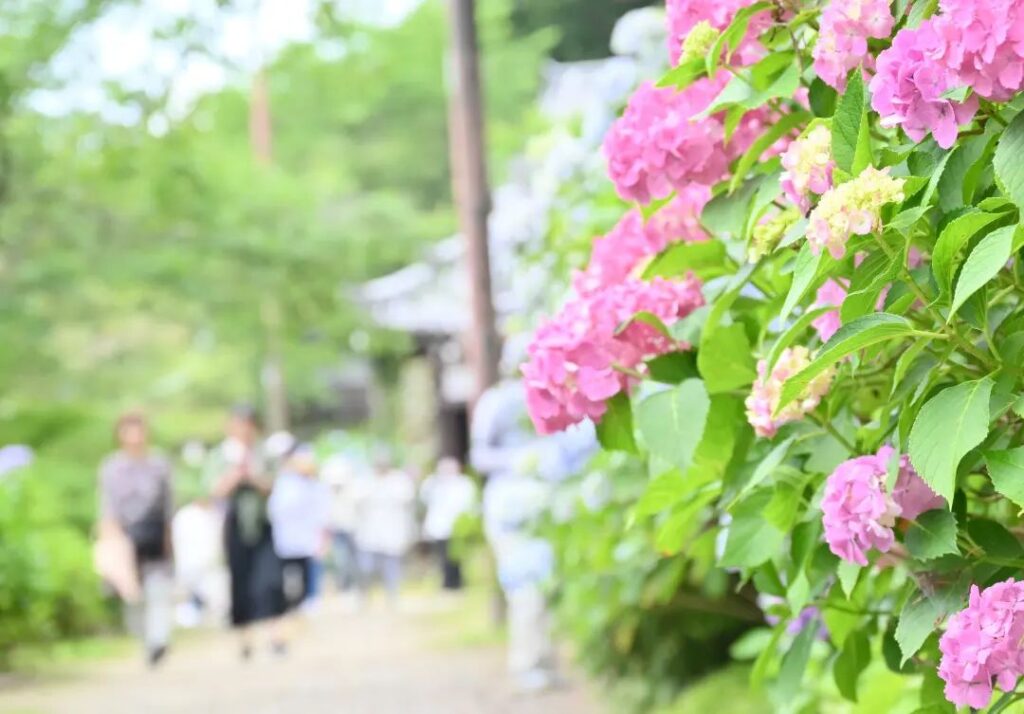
{"x": 1007, "y": 162}
{"x": 672, "y": 421}
{"x": 732, "y": 35}
{"x": 684, "y": 75}
{"x": 932, "y": 534}
{"x": 850, "y": 139}
{"x": 951, "y": 241}
{"x": 921, "y": 616}
{"x": 661, "y": 493}
{"x": 950, "y": 424}
{"x": 984, "y": 262}
{"x": 794, "y": 664}
{"x": 805, "y": 269}
{"x": 848, "y": 574}
{"x": 862, "y": 332}
{"x": 1006, "y": 469}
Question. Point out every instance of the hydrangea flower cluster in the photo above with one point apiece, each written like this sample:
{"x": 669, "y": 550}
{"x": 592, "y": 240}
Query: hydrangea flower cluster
{"x": 908, "y": 87}
{"x": 683, "y": 16}
{"x": 764, "y": 396}
{"x": 850, "y": 209}
{"x": 977, "y": 44}
{"x": 859, "y": 514}
{"x": 769, "y": 231}
{"x": 842, "y": 44}
{"x": 808, "y": 166}
{"x": 620, "y": 252}
{"x": 699, "y": 41}
{"x": 982, "y": 643}
{"x": 655, "y": 147}
{"x": 576, "y": 359}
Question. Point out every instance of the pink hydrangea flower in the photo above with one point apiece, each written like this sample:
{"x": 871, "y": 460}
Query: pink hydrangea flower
{"x": 984, "y": 42}
{"x": 982, "y": 643}
{"x": 912, "y": 76}
{"x": 846, "y": 26}
{"x": 826, "y": 324}
{"x": 576, "y": 359}
{"x": 625, "y": 248}
{"x": 912, "y": 494}
{"x": 857, "y": 513}
{"x": 763, "y": 399}
{"x": 679, "y": 219}
{"x": 852, "y": 208}
{"x": 683, "y": 15}
{"x": 808, "y": 167}
{"x": 655, "y": 147}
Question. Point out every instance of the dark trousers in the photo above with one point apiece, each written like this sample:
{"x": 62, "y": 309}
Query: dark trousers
{"x": 451, "y": 570}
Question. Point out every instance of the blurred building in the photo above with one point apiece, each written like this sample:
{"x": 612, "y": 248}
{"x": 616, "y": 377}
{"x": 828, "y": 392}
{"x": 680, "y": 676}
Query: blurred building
{"x": 429, "y": 299}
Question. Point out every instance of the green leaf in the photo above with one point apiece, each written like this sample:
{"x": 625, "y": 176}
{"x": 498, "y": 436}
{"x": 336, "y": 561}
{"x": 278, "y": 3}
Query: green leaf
{"x": 751, "y": 539}
{"x": 1007, "y": 161}
{"x": 744, "y": 92}
{"x": 932, "y": 534}
{"x": 672, "y": 421}
{"x": 673, "y": 367}
{"x": 822, "y": 98}
{"x": 805, "y": 269}
{"x": 684, "y": 75}
{"x": 905, "y": 361}
{"x": 854, "y": 659}
{"x": 949, "y": 425}
{"x": 725, "y": 359}
{"x": 951, "y": 241}
{"x": 725, "y": 215}
{"x": 984, "y": 262}
{"x": 662, "y": 493}
{"x": 793, "y": 331}
{"x": 848, "y": 575}
{"x": 1006, "y": 469}
{"x": 862, "y": 332}
{"x": 775, "y": 131}
{"x": 794, "y": 663}
{"x": 920, "y": 617}
{"x": 920, "y": 11}
{"x": 767, "y": 466}
{"x": 705, "y": 258}
{"x": 615, "y": 430}
{"x": 732, "y": 35}
{"x": 851, "y": 142}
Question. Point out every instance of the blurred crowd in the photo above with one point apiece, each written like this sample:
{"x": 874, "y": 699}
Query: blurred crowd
{"x": 269, "y": 519}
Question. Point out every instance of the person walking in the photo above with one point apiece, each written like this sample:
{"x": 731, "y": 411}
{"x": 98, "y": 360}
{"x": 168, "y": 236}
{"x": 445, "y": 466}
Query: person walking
{"x": 243, "y": 482}
{"x": 298, "y": 510}
{"x": 340, "y": 475}
{"x": 136, "y": 504}
{"x": 447, "y": 494}
{"x": 384, "y": 525}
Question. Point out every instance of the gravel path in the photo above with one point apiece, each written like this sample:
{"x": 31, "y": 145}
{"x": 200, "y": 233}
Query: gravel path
{"x": 420, "y": 660}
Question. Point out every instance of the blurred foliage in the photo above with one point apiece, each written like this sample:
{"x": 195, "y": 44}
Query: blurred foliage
{"x": 650, "y": 624}
{"x": 577, "y": 40}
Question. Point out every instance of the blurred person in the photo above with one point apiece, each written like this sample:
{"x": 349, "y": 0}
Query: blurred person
{"x": 447, "y": 494}
{"x": 299, "y": 509}
{"x": 519, "y": 469}
{"x": 384, "y": 525}
{"x": 135, "y": 509}
{"x": 340, "y": 475}
{"x": 196, "y": 532}
{"x": 243, "y": 482}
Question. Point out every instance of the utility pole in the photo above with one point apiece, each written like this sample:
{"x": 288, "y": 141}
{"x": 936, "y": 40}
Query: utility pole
{"x": 272, "y": 372}
{"x": 469, "y": 184}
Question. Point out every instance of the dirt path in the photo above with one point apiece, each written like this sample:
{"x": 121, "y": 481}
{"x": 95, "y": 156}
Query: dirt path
{"x": 421, "y": 660}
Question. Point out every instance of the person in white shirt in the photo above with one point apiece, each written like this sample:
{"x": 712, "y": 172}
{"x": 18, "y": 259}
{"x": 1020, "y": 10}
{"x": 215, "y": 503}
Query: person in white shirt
{"x": 298, "y": 512}
{"x": 197, "y": 533}
{"x": 384, "y": 524}
{"x": 447, "y": 494}
{"x": 342, "y": 476}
